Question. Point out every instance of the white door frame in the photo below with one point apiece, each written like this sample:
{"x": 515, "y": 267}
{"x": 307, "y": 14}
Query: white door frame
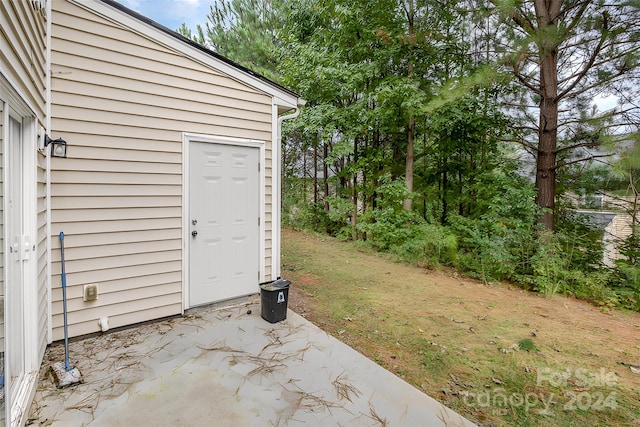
{"x": 14, "y": 104}
{"x": 188, "y": 138}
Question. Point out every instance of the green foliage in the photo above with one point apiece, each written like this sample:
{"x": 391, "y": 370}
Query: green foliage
{"x": 550, "y": 265}
{"x": 429, "y": 245}
{"x": 557, "y": 268}
{"x": 630, "y": 248}
{"x": 585, "y": 50}
{"x": 593, "y": 286}
{"x": 389, "y": 225}
{"x": 293, "y": 201}
{"x": 627, "y": 286}
{"x": 368, "y": 70}
{"x": 247, "y": 32}
{"x": 497, "y": 243}
{"x": 299, "y": 212}
{"x": 627, "y": 272}
{"x": 312, "y": 216}
{"x": 186, "y": 32}
{"x": 339, "y": 217}
{"x": 527, "y": 344}
{"x": 581, "y": 239}
{"x": 464, "y": 154}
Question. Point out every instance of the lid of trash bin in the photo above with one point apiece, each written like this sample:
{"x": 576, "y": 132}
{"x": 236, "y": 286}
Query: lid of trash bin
{"x": 275, "y": 285}
{"x": 281, "y": 283}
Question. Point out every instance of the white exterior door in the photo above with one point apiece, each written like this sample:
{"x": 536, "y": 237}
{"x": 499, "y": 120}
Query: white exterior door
{"x": 20, "y": 359}
{"x": 224, "y": 210}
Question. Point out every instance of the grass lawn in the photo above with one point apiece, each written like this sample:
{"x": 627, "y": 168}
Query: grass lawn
{"x": 496, "y": 354}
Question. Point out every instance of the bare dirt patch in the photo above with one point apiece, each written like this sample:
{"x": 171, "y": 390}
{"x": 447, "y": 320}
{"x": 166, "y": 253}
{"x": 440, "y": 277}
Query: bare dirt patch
{"x": 477, "y": 348}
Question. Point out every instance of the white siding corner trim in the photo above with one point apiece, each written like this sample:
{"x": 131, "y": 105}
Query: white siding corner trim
{"x": 48, "y": 174}
{"x": 187, "y": 138}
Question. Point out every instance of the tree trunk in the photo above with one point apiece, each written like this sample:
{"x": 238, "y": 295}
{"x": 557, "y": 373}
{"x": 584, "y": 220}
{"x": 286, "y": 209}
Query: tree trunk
{"x": 547, "y": 11}
{"x": 406, "y": 204}
{"x": 408, "y": 173}
{"x": 460, "y": 190}
{"x": 343, "y": 180}
{"x": 365, "y": 204}
{"x": 325, "y": 173}
{"x": 354, "y": 196}
{"x": 315, "y": 174}
{"x": 378, "y": 170}
{"x": 443, "y": 219}
{"x": 304, "y": 174}
{"x": 634, "y": 207}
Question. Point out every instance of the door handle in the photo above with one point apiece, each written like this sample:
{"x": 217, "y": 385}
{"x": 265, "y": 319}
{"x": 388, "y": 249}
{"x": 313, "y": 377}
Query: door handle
{"x": 194, "y": 233}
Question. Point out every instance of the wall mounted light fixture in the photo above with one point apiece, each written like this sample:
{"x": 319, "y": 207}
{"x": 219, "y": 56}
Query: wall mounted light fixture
{"x": 58, "y": 146}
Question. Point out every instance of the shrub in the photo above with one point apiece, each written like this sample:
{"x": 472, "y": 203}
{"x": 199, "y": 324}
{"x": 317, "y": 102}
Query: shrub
{"x": 497, "y": 243}
{"x": 339, "y": 218}
{"x": 558, "y": 268}
{"x": 404, "y": 233}
{"x": 580, "y": 239}
{"x": 549, "y": 265}
{"x": 389, "y": 225}
{"x": 487, "y": 255}
{"x": 593, "y": 286}
{"x": 430, "y": 244}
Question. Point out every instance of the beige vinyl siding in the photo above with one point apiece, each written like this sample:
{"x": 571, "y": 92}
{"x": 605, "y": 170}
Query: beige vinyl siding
{"x": 41, "y": 224}
{"x": 623, "y": 226}
{"x": 622, "y": 229}
{"x": 122, "y": 102}
{"x": 268, "y": 214}
{"x": 22, "y": 51}
{"x": 23, "y": 59}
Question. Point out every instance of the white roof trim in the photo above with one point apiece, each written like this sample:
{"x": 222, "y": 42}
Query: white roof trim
{"x": 280, "y": 97}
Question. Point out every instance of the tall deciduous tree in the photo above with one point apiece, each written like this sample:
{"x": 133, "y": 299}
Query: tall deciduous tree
{"x": 565, "y": 53}
{"x": 409, "y": 8}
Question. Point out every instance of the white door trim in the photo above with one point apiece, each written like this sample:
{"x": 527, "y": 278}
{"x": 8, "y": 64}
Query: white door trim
{"x": 187, "y": 138}
{"x": 10, "y": 94}
{"x": 14, "y": 105}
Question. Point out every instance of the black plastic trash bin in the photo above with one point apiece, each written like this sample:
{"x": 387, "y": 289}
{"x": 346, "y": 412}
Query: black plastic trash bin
{"x": 274, "y": 297}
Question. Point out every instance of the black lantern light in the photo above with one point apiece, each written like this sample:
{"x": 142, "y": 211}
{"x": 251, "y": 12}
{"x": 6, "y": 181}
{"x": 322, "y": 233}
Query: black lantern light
{"x": 58, "y": 146}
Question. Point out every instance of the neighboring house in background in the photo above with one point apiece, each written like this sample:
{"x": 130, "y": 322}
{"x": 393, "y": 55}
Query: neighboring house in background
{"x": 616, "y": 228}
{"x": 615, "y": 233}
{"x": 612, "y": 215}
{"x": 169, "y": 195}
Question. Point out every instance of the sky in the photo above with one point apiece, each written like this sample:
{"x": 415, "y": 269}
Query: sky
{"x": 606, "y": 102}
{"x": 172, "y": 13}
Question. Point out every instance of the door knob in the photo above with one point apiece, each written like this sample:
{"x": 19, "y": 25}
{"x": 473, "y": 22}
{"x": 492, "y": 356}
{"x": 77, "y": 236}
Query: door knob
{"x": 194, "y": 233}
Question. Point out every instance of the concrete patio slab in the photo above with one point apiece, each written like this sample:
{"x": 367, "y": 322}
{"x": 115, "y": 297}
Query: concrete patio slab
{"x": 229, "y": 367}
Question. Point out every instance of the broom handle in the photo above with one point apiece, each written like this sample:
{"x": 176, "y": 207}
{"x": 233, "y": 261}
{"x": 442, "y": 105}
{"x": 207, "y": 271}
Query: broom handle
{"x": 64, "y": 304}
